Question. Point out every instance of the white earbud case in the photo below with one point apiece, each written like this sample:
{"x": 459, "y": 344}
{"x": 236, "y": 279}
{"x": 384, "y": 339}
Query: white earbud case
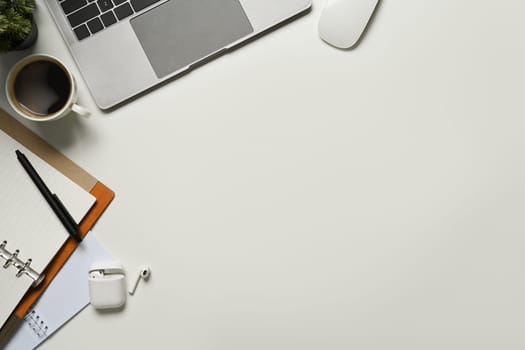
{"x": 107, "y": 285}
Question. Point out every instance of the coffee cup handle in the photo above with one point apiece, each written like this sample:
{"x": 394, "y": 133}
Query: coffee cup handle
{"x": 81, "y": 111}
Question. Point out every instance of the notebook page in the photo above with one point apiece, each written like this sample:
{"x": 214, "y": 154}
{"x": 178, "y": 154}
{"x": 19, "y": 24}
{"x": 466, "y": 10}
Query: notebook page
{"x": 66, "y": 296}
{"x": 27, "y": 221}
{"x": 12, "y": 289}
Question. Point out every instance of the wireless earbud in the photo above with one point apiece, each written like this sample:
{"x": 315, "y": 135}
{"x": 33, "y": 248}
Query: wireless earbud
{"x": 144, "y": 274}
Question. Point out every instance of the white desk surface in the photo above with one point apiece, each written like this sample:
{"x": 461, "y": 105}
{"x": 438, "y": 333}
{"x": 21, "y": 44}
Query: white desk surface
{"x": 293, "y": 196}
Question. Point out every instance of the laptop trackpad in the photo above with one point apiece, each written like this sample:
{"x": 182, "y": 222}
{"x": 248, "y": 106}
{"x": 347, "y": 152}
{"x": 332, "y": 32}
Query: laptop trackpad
{"x": 180, "y": 32}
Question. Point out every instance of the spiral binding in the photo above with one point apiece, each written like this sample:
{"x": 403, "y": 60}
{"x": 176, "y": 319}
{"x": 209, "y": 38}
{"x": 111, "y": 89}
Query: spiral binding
{"x": 37, "y": 324}
{"x": 23, "y": 267}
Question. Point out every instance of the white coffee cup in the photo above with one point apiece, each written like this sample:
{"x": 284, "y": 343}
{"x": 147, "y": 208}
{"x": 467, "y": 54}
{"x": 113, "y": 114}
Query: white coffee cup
{"x": 29, "y": 93}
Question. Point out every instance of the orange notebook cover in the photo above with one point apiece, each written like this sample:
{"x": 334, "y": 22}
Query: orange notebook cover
{"x": 68, "y": 168}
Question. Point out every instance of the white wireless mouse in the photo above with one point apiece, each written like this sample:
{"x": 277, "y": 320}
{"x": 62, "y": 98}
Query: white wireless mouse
{"x": 343, "y": 21}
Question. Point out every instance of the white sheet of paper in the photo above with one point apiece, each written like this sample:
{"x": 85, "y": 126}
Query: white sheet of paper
{"x": 28, "y": 223}
{"x": 67, "y": 295}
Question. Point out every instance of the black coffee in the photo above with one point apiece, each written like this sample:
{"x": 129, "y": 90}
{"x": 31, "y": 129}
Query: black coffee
{"x": 42, "y": 88}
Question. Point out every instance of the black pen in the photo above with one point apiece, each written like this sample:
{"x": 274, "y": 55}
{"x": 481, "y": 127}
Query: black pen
{"x": 52, "y": 199}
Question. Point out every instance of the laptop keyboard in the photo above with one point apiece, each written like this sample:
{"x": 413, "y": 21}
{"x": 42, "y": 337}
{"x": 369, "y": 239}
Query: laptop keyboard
{"x": 88, "y": 17}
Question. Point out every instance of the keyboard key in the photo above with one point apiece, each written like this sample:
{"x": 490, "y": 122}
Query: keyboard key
{"x": 118, "y": 2}
{"x": 95, "y": 25}
{"x": 72, "y": 5}
{"x": 123, "y": 11}
{"x": 81, "y": 32}
{"x": 83, "y": 15}
{"x": 108, "y": 19}
{"x": 142, "y": 4}
{"x": 105, "y": 5}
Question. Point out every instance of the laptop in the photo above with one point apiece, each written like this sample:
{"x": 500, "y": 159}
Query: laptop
{"x": 124, "y": 47}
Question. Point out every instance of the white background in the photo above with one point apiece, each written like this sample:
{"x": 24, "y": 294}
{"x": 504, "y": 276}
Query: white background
{"x": 293, "y": 196}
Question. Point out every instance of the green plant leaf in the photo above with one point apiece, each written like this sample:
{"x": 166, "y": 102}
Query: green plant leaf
{"x": 24, "y": 7}
{"x": 4, "y": 23}
{"x": 15, "y": 22}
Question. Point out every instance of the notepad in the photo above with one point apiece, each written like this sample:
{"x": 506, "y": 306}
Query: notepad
{"x": 67, "y": 295}
{"x": 29, "y": 227}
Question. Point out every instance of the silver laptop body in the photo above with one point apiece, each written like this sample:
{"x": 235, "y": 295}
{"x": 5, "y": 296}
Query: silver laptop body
{"x": 123, "y": 47}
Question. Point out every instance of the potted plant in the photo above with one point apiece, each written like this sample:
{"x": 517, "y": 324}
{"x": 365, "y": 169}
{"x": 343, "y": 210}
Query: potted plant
{"x": 17, "y": 28}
